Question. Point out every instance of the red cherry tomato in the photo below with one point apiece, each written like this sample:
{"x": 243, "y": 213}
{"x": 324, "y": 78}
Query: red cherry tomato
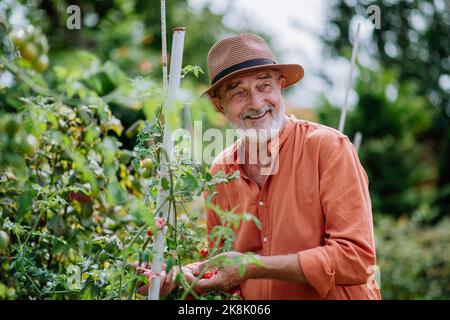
{"x": 204, "y": 252}
{"x": 208, "y": 275}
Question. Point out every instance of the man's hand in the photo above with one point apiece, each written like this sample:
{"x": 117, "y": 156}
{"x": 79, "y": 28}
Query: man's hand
{"x": 226, "y": 278}
{"x": 281, "y": 267}
{"x": 167, "y": 283}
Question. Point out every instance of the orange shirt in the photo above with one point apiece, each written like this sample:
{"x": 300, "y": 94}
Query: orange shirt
{"x": 317, "y": 205}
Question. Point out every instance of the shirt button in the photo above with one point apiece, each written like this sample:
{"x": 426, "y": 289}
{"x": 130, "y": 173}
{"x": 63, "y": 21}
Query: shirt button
{"x": 265, "y": 239}
{"x": 261, "y": 203}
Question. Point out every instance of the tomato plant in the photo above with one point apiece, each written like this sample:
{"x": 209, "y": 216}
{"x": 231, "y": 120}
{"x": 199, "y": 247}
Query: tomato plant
{"x": 77, "y": 208}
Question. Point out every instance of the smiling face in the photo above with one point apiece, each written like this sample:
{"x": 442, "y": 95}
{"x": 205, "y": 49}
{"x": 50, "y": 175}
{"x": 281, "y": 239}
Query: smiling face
{"x": 253, "y": 103}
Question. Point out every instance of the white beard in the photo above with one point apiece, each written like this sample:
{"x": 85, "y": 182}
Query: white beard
{"x": 264, "y": 130}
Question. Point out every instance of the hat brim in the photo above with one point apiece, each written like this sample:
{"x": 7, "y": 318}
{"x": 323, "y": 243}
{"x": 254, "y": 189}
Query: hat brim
{"x": 292, "y": 73}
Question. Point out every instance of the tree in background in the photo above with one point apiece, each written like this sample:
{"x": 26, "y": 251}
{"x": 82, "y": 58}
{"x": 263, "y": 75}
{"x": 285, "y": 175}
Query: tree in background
{"x": 404, "y": 105}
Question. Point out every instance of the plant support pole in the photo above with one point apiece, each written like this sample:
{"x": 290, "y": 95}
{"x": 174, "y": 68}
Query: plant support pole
{"x": 349, "y": 82}
{"x": 164, "y": 45}
{"x": 172, "y": 94}
{"x": 357, "y": 140}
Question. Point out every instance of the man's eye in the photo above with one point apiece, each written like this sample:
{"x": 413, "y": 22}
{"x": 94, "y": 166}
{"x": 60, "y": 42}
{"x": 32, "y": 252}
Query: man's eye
{"x": 238, "y": 94}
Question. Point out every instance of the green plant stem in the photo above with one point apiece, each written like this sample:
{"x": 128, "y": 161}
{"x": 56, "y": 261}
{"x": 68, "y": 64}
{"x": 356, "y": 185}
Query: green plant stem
{"x": 133, "y": 285}
{"x": 34, "y": 227}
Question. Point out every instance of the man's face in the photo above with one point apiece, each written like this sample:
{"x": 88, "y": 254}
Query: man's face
{"x": 253, "y": 100}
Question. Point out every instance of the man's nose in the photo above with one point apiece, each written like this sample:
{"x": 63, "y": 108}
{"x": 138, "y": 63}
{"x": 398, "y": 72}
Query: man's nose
{"x": 256, "y": 100}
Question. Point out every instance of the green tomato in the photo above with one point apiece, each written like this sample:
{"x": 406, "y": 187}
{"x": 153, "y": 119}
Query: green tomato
{"x": 41, "y": 63}
{"x": 29, "y": 52}
{"x": 4, "y": 240}
{"x": 180, "y": 250}
{"x": 72, "y": 257}
{"x": 28, "y": 145}
{"x": 11, "y": 127}
{"x": 146, "y": 173}
{"x": 18, "y": 37}
{"x": 147, "y": 163}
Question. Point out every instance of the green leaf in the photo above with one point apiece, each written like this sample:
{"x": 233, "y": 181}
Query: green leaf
{"x": 165, "y": 184}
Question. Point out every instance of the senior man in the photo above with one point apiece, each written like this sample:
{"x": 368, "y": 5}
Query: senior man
{"x": 316, "y": 239}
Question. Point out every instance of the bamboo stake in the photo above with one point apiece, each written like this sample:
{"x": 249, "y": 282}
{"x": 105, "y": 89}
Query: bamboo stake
{"x": 172, "y": 94}
{"x": 349, "y": 82}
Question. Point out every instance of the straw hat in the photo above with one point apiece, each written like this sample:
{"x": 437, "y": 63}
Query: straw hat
{"x": 242, "y": 53}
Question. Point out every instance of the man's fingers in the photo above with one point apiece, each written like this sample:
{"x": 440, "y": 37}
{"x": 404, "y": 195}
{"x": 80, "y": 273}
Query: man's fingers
{"x": 143, "y": 289}
{"x": 190, "y": 277}
{"x": 208, "y": 284}
{"x": 163, "y": 278}
{"x": 197, "y": 268}
{"x": 144, "y": 265}
{"x": 169, "y": 278}
{"x": 168, "y": 283}
{"x": 203, "y": 285}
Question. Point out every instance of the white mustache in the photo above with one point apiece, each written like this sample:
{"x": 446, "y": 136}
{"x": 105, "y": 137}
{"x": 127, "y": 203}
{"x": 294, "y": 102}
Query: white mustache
{"x": 255, "y": 113}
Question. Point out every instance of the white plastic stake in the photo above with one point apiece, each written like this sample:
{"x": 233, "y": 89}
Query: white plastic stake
{"x": 172, "y": 94}
{"x": 349, "y": 82}
{"x": 357, "y": 140}
{"x": 164, "y": 45}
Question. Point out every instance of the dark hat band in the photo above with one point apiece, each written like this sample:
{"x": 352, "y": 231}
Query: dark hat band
{"x": 242, "y": 65}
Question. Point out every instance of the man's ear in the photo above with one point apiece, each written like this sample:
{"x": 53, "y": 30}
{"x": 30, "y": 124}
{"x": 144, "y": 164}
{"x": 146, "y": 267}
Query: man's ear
{"x": 282, "y": 83}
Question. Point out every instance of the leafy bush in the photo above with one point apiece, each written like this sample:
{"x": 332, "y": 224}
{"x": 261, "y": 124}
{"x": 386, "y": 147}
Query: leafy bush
{"x": 413, "y": 259}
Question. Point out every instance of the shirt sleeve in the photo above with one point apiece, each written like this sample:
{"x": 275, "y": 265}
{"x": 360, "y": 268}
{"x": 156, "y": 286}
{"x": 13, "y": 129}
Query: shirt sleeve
{"x": 349, "y": 247}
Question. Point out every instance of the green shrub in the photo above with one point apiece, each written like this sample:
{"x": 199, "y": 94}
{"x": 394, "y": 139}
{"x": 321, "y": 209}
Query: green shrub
{"x": 414, "y": 260}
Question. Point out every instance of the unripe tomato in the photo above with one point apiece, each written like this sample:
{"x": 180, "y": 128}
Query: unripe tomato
{"x": 29, "y": 52}
{"x": 146, "y": 173}
{"x": 4, "y": 240}
{"x": 41, "y": 63}
{"x": 28, "y": 145}
{"x": 11, "y": 127}
{"x": 18, "y": 37}
{"x": 180, "y": 250}
{"x": 147, "y": 163}
{"x": 72, "y": 257}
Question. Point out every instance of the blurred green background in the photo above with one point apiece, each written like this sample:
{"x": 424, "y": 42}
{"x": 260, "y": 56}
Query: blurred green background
{"x": 400, "y": 99}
